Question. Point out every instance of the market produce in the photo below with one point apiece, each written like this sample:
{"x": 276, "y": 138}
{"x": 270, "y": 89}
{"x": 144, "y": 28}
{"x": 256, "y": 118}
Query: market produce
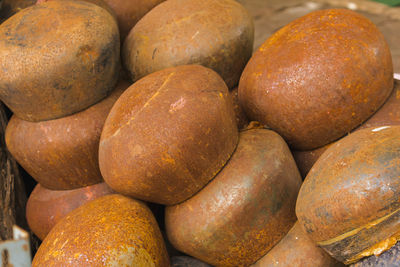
{"x": 100, "y": 3}
{"x": 296, "y": 249}
{"x": 217, "y": 34}
{"x": 168, "y": 135}
{"x": 109, "y": 231}
{"x": 129, "y": 12}
{"x": 349, "y": 202}
{"x": 241, "y": 118}
{"x": 57, "y": 58}
{"x": 318, "y": 77}
{"x": 45, "y": 208}
{"x": 192, "y": 153}
{"x": 62, "y": 154}
{"x": 388, "y": 114}
{"x": 245, "y": 210}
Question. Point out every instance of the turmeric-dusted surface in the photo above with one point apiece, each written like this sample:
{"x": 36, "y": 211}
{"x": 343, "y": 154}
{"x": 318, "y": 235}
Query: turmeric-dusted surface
{"x": 318, "y": 78}
{"x": 168, "y": 135}
{"x": 245, "y": 210}
{"x": 63, "y": 153}
{"x": 45, "y": 208}
{"x": 217, "y": 34}
{"x": 349, "y": 202}
{"x": 55, "y": 65}
{"x": 110, "y": 231}
{"x": 388, "y": 114}
{"x": 100, "y": 3}
{"x": 129, "y": 12}
{"x": 296, "y": 249}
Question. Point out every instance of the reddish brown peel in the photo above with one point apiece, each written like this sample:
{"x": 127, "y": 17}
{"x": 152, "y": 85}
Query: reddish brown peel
{"x": 100, "y": 3}
{"x": 45, "y": 208}
{"x": 129, "y": 12}
{"x": 245, "y": 210}
{"x": 388, "y": 114}
{"x": 217, "y": 34}
{"x": 349, "y": 202}
{"x": 52, "y": 65}
{"x": 318, "y": 78}
{"x": 241, "y": 118}
{"x": 168, "y": 135}
{"x": 109, "y": 231}
{"x": 62, "y": 154}
{"x": 296, "y": 249}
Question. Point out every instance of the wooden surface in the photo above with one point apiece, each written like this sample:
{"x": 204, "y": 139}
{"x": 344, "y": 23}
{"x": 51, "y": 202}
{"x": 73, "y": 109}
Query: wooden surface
{"x": 12, "y": 191}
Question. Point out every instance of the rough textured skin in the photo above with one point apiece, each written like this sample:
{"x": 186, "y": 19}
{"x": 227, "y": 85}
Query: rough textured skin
{"x": 55, "y": 65}
{"x": 62, "y": 154}
{"x": 109, "y": 231}
{"x": 389, "y": 258}
{"x": 47, "y": 207}
{"x": 100, "y": 3}
{"x": 318, "y": 78}
{"x": 349, "y": 202}
{"x": 388, "y": 114}
{"x": 296, "y": 249}
{"x": 217, "y": 34}
{"x": 245, "y": 210}
{"x": 168, "y": 135}
{"x": 241, "y": 118}
{"x": 129, "y": 12}
{"x": 185, "y": 261}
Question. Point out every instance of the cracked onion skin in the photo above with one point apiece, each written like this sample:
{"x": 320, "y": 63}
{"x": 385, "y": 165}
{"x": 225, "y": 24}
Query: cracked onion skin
{"x": 168, "y": 135}
{"x": 318, "y": 77}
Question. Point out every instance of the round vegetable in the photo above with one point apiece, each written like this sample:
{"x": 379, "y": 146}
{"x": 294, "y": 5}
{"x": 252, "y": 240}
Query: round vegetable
{"x": 217, "y": 34}
{"x": 45, "y": 208}
{"x": 168, "y": 135}
{"x": 62, "y": 154}
{"x": 318, "y": 78}
{"x": 129, "y": 12}
{"x": 296, "y": 249}
{"x": 349, "y": 202}
{"x": 388, "y": 114}
{"x": 245, "y": 210}
{"x": 109, "y": 231}
{"x": 100, "y": 3}
{"x": 57, "y": 58}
